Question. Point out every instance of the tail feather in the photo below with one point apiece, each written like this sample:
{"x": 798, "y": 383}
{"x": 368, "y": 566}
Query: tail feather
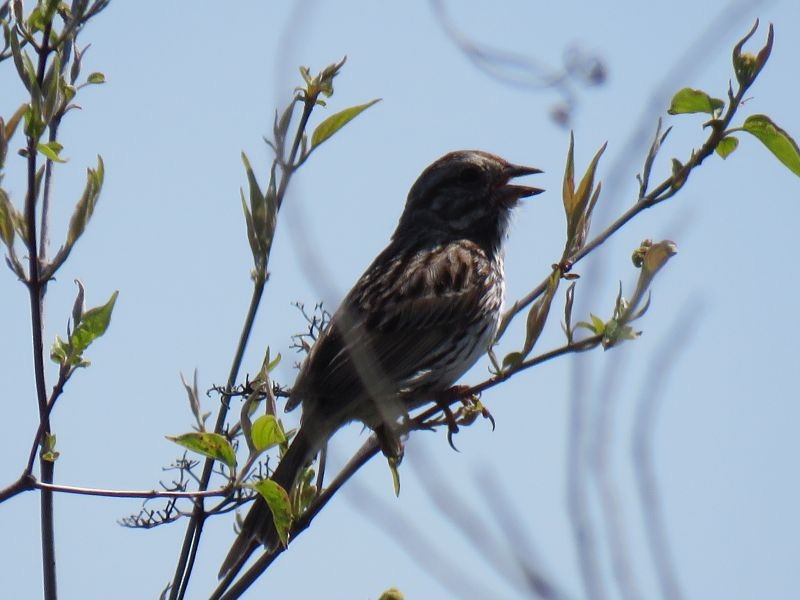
{"x": 258, "y": 527}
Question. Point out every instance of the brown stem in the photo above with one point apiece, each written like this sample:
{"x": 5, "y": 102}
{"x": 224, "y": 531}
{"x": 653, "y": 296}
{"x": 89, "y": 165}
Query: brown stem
{"x": 194, "y": 528}
{"x": 36, "y": 293}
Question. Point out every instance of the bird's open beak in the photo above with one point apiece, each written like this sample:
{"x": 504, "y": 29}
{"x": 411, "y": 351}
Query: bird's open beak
{"x": 512, "y": 193}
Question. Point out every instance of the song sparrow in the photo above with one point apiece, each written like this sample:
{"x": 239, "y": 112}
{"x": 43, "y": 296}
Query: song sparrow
{"x": 423, "y": 312}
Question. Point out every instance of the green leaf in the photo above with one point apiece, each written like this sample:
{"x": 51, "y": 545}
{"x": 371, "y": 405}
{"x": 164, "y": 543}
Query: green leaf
{"x": 568, "y": 187}
{"x": 266, "y": 432}
{"x": 93, "y": 324}
{"x": 212, "y": 445}
{"x": 51, "y": 150}
{"x": 272, "y": 364}
{"x": 689, "y": 100}
{"x": 776, "y": 140}
{"x": 59, "y": 351}
{"x": 726, "y": 146}
{"x": 512, "y": 360}
{"x": 335, "y": 122}
{"x": 7, "y": 212}
{"x": 96, "y": 78}
{"x": 251, "y": 232}
{"x": 259, "y": 218}
{"x": 392, "y": 594}
{"x": 85, "y": 207}
{"x": 37, "y": 19}
{"x": 11, "y": 126}
{"x": 278, "y": 501}
{"x": 747, "y": 66}
{"x": 17, "y": 53}
{"x": 50, "y": 88}
{"x": 537, "y": 315}
{"x": 48, "y": 451}
{"x": 597, "y": 326}
{"x": 393, "y": 469}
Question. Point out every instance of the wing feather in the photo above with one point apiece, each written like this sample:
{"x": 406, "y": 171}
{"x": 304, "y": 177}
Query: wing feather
{"x": 386, "y": 339}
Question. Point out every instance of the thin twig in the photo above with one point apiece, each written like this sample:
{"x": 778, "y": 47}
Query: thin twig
{"x": 84, "y": 491}
{"x": 194, "y": 528}
{"x": 36, "y": 292}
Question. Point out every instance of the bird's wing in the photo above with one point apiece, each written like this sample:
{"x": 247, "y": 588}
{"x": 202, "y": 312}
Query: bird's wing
{"x": 387, "y": 338}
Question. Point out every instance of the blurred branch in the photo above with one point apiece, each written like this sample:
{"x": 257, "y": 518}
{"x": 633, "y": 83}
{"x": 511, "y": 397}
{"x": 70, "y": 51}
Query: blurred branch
{"x": 614, "y": 517}
{"x": 527, "y": 558}
{"x": 577, "y": 487}
{"x": 524, "y": 71}
{"x": 442, "y": 566}
{"x": 505, "y": 557}
{"x": 642, "y": 438}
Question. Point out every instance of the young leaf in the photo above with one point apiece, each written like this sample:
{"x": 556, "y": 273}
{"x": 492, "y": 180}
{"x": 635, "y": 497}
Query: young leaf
{"x": 48, "y": 451}
{"x": 7, "y": 211}
{"x": 93, "y": 324}
{"x": 726, "y": 146}
{"x": 11, "y": 126}
{"x": 689, "y": 100}
{"x": 568, "y": 187}
{"x": 278, "y": 501}
{"x": 251, "y": 232}
{"x": 212, "y": 445}
{"x": 96, "y": 78}
{"x": 51, "y": 150}
{"x": 747, "y": 66}
{"x": 393, "y": 469}
{"x": 78, "y": 306}
{"x": 260, "y": 221}
{"x": 85, "y": 207}
{"x": 776, "y": 140}
{"x": 512, "y": 360}
{"x": 335, "y": 122}
{"x": 59, "y": 351}
{"x": 537, "y": 315}
{"x": 266, "y": 432}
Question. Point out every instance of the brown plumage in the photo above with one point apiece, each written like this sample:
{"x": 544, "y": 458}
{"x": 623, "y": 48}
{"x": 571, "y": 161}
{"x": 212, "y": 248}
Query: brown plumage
{"x": 422, "y": 314}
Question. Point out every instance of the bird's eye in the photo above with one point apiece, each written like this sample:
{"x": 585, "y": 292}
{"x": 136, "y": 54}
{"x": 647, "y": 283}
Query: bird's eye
{"x": 469, "y": 175}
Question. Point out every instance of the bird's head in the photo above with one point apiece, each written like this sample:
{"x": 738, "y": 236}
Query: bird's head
{"x": 465, "y": 194}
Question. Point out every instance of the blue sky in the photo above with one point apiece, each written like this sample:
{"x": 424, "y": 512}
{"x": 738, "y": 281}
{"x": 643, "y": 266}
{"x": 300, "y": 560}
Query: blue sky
{"x": 190, "y": 86}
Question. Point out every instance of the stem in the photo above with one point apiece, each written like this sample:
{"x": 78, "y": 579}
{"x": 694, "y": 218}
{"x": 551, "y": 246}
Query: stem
{"x": 48, "y": 179}
{"x": 289, "y": 166}
{"x": 36, "y": 292}
{"x": 194, "y": 528}
{"x": 63, "y": 376}
{"x": 191, "y": 539}
{"x": 147, "y": 494}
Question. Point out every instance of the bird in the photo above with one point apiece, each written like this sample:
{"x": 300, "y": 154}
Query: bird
{"x": 420, "y": 316}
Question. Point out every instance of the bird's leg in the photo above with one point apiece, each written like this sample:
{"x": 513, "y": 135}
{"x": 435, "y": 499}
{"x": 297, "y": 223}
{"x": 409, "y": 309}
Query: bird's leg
{"x": 443, "y": 402}
{"x": 465, "y": 415}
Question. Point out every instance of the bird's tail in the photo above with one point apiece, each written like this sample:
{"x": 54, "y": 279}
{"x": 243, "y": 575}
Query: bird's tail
{"x": 258, "y": 527}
